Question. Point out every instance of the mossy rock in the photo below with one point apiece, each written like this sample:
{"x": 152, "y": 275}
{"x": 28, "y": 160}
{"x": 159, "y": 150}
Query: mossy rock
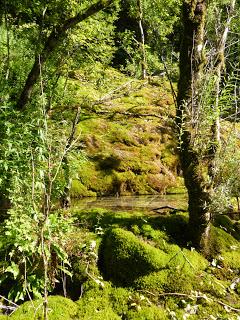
{"x": 222, "y": 241}
{"x": 228, "y": 225}
{"x": 60, "y": 308}
{"x": 123, "y": 257}
{"x": 169, "y": 280}
{"x": 79, "y": 190}
{"x": 175, "y": 226}
{"x": 147, "y": 313}
{"x": 103, "y": 302}
{"x": 231, "y": 259}
{"x": 154, "y": 282}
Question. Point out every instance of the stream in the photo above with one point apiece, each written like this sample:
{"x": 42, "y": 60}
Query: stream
{"x": 131, "y": 203}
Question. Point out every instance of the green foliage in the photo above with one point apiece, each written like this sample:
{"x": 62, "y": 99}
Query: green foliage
{"x": 60, "y": 308}
{"x": 159, "y": 21}
{"x": 29, "y": 168}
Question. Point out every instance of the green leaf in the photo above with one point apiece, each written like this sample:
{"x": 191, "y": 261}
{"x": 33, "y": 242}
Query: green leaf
{"x": 14, "y": 269}
{"x": 64, "y": 270}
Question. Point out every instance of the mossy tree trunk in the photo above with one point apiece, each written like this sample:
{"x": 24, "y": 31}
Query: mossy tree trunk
{"x": 196, "y": 169}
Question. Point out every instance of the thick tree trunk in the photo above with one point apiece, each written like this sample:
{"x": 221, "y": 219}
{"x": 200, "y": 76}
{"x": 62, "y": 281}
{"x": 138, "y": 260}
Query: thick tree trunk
{"x": 195, "y": 169}
{"x": 198, "y": 165}
{"x": 51, "y": 43}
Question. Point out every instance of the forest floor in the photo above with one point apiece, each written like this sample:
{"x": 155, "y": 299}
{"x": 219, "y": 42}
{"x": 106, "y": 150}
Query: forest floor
{"x": 140, "y": 266}
{"x": 135, "y": 265}
{"x": 126, "y": 135}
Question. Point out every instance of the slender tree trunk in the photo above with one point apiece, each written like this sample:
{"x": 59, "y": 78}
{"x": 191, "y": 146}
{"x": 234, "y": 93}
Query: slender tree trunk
{"x": 195, "y": 170}
{"x": 142, "y": 43}
{"x": 219, "y": 66}
{"x": 65, "y": 199}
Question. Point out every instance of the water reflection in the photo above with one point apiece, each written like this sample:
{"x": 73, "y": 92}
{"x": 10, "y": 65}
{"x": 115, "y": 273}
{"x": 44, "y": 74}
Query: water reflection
{"x": 145, "y": 202}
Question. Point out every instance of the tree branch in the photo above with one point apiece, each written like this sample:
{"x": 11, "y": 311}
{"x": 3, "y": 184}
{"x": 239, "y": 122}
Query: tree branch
{"x": 51, "y": 43}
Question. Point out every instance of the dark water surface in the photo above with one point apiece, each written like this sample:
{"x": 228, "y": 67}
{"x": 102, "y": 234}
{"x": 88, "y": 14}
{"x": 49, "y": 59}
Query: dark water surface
{"x": 129, "y": 203}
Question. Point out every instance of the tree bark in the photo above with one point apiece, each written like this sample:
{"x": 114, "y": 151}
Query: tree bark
{"x": 51, "y": 43}
{"x": 195, "y": 169}
{"x": 142, "y": 42}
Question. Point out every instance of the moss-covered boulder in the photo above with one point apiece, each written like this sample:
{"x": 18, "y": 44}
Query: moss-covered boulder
{"x": 222, "y": 241}
{"x": 147, "y": 313}
{"x": 111, "y": 303}
{"x": 123, "y": 257}
{"x": 104, "y": 302}
{"x": 60, "y": 308}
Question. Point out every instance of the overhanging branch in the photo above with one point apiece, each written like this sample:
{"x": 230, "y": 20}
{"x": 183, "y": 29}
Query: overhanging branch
{"x": 51, "y": 43}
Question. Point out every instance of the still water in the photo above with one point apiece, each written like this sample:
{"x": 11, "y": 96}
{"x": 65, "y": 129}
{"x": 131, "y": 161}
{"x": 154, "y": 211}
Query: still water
{"x": 129, "y": 203}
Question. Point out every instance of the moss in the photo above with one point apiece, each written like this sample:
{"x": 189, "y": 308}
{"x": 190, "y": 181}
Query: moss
{"x": 222, "y": 241}
{"x": 155, "y": 281}
{"x": 123, "y": 257}
{"x": 169, "y": 280}
{"x": 103, "y": 303}
{"x": 117, "y": 147}
{"x": 116, "y": 303}
{"x": 175, "y": 226}
{"x": 147, "y": 313}
{"x": 103, "y": 218}
{"x": 224, "y": 222}
{"x": 60, "y": 308}
{"x": 96, "y": 307}
{"x": 231, "y": 259}
{"x": 79, "y": 190}
{"x": 213, "y": 311}
{"x": 160, "y": 182}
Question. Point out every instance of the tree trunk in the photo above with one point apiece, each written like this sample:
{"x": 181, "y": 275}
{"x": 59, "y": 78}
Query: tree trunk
{"x": 65, "y": 199}
{"x": 142, "y": 42}
{"x": 195, "y": 169}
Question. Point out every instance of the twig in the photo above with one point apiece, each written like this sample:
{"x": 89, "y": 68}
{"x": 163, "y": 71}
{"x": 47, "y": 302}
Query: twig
{"x": 227, "y": 306}
{"x": 112, "y": 96}
{"x": 131, "y": 114}
{"x": 170, "y": 81}
{"x": 8, "y": 308}
{"x": 170, "y": 208}
{"x": 191, "y": 296}
{"x": 9, "y": 301}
